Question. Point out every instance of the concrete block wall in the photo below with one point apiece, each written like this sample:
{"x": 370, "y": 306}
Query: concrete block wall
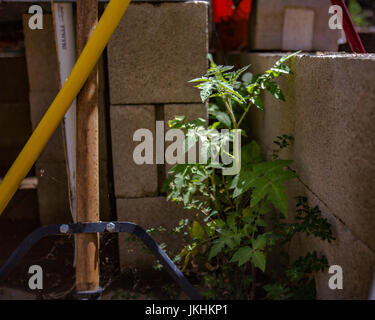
{"x": 15, "y": 129}
{"x": 292, "y": 25}
{"x": 329, "y": 110}
{"x": 155, "y": 50}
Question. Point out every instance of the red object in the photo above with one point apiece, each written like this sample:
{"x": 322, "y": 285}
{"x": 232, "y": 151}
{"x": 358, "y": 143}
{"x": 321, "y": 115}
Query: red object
{"x": 232, "y": 22}
{"x": 351, "y": 33}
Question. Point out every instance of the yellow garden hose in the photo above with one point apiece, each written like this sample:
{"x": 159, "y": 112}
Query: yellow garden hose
{"x": 50, "y": 121}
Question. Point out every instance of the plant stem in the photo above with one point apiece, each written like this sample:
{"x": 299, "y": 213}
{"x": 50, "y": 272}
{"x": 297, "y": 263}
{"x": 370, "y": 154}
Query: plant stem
{"x": 228, "y": 105}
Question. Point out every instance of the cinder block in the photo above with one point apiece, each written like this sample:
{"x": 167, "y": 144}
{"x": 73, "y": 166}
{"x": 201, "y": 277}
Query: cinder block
{"x": 190, "y": 111}
{"x": 22, "y": 207}
{"x": 14, "y": 83}
{"x": 334, "y": 134}
{"x": 104, "y": 199}
{"x": 41, "y": 57}
{"x": 149, "y": 213}
{"x": 332, "y": 122}
{"x": 266, "y": 30}
{"x": 15, "y": 124}
{"x": 155, "y": 50}
{"x": 53, "y": 195}
{"x": 132, "y": 180}
{"x": 39, "y": 104}
{"x": 355, "y": 258}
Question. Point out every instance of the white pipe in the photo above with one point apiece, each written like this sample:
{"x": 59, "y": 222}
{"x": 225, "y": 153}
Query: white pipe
{"x": 66, "y": 54}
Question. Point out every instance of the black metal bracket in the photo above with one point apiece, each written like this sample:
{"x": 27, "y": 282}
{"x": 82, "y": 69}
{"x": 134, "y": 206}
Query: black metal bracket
{"x": 101, "y": 227}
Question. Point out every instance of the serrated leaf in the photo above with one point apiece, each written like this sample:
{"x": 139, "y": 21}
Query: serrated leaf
{"x": 259, "y": 243}
{"x": 245, "y": 182}
{"x": 261, "y": 186}
{"x": 278, "y": 197}
{"x": 242, "y": 255}
{"x": 258, "y": 258}
{"x": 216, "y": 249}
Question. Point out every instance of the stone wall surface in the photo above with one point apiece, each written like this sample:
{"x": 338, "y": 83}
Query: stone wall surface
{"x": 292, "y": 25}
{"x": 330, "y": 112}
{"x": 152, "y": 55}
{"x": 155, "y": 50}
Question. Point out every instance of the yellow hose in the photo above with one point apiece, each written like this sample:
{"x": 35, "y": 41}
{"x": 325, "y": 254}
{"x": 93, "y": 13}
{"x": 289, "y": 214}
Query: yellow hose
{"x": 43, "y": 132}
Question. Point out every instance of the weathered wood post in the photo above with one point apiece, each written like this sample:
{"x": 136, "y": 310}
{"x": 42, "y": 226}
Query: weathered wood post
{"x": 87, "y": 176}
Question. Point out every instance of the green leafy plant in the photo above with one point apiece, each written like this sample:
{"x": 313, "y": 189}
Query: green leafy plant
{"x": 239, "y": 219}
{"x": 361, "y": 18}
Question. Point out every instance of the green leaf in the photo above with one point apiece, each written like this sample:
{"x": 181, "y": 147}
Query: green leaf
{"x": 279, "y": 198}
{"x": 216, "y": 249}
{"x": 197, "y": 231}
{"x": 250, "y": 154}
{"x": 260, "y": 191}
{"x": 247, "y": 77}
{"x": 242, "y": 255}
{"x": 245, "y": 182}
{"x": 258, "y": 258}
{"x": 285, "y": 175}
{"x": 259, "y": 243}
{"x": 224, "y": 118}
{"x": 257, "y": 101}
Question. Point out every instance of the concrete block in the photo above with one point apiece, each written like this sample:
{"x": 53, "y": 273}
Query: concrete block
{"x": 132, "y": 180}
{"x": 355, "y": 258}
{"x": 149, "y": 213}
{"x": 298, "y": 30}
{"x": 53, "y": 195}
{"x": 190, "y": 111}
{"x": 332, "y": 123}
{"x": 14, "y": 83}
{"x": 15, "y": 124}
{"x": 334, "y": 132}
{"x": 22, "y": 208}
{"x": 266, "y": 30}
{"x": 41, "y": 57}
{"x": 104, "y": 199}
{"x": 153, "y": 64}
{"x": 39, "y": 104}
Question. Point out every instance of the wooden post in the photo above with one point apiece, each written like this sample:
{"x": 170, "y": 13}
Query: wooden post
{"x": 87, "y": 175}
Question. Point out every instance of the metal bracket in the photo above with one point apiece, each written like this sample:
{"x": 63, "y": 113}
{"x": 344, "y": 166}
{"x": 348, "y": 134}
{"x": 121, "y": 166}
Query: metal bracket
{"x": 101, "y": 227}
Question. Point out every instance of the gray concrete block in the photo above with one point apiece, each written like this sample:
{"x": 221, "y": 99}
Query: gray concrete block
{"x": 14, "y": 83}
{"x": 266, "y": 30}
{"x": 190, "y": 111}
{"x": 153, "y": 64}
{"x": 53, "y": 195}
{"x": 132, "y": 180}
{"x": 355, "y": 258}
{"x": 332, "y": 123}
{"x": 15, "y": 124}
{"x": 149, "y": 213}
{"x": 39, "y": 104}
{"x": 41, "y": 57}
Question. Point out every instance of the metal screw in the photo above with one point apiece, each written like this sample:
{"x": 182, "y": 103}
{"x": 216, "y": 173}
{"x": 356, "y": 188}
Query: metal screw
{"x": 110, "y": 227}
{"x": 64, "y": 228}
